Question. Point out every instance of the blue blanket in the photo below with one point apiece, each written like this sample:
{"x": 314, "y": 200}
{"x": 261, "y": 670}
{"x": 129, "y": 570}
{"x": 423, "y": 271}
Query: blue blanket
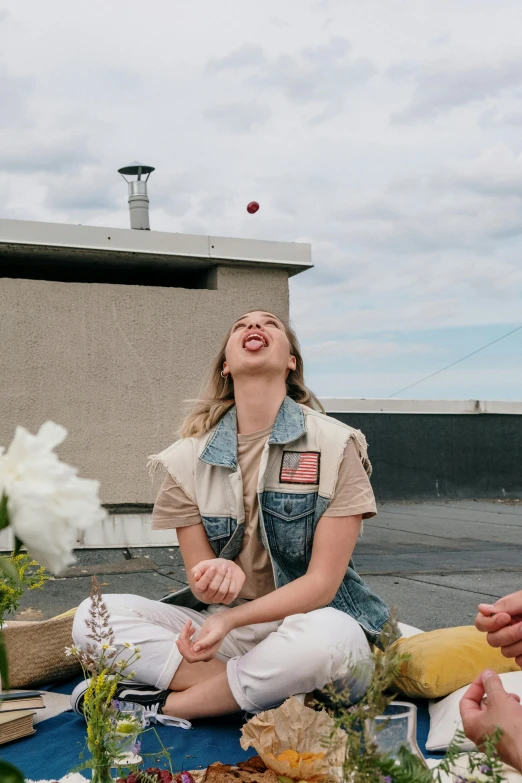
{"x": 56, "y": 747}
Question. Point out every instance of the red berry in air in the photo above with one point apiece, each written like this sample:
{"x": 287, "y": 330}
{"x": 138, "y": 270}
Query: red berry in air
{"x": 252, "y": 207}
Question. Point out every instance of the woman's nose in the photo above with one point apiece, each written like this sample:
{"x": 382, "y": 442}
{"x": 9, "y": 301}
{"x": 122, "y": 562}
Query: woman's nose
{"x": 256, "y": 326}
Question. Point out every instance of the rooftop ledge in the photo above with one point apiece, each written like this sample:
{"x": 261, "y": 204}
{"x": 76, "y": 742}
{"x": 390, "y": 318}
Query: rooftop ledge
{"x": 153, "y": 248}
{"x": 448, "y": 407}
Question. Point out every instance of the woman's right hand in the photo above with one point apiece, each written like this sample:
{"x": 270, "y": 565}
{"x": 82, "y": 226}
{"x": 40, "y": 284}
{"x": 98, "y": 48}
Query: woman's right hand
{"x": 218, "y": 581}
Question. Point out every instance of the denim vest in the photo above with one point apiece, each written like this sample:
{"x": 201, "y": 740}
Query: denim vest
{"x": 297, "y": 478}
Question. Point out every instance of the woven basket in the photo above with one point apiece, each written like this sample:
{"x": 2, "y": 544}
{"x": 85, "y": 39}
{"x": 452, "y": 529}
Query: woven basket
{"x": 36, "y": 651}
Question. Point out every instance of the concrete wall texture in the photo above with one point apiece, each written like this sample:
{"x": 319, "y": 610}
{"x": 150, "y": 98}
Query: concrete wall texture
{"x": 113, "y": 364}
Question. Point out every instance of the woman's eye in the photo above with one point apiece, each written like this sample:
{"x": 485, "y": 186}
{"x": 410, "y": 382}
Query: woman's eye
{"x": 274, "y": 323}
{"x": 238, "y": 326}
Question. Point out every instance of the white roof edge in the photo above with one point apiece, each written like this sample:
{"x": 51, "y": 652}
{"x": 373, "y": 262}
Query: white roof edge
{"x": 354, "y": 405}
{"x": 294, "y": 255}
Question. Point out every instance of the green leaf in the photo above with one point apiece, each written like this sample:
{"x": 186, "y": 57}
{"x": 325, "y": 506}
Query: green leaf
{"x": 10, "y": 774}
{"x": 4, "y": 515}
{"x": 10, "y": 570}
{"x": 4, "y": 674}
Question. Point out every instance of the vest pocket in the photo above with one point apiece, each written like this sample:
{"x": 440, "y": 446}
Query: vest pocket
{"x": 289, "y": 522}
{"x": 219, "y": 530}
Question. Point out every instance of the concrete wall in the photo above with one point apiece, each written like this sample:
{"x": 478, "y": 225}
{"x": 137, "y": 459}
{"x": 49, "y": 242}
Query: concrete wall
{"x": 427, "y": 456}
{"x": 113, "y": 363}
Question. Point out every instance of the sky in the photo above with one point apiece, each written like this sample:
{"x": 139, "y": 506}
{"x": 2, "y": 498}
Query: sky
{"x": 387, "y": 133}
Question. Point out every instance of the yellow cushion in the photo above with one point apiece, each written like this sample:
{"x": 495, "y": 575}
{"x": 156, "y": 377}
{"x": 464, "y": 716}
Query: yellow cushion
{"x": 442, "y": 661}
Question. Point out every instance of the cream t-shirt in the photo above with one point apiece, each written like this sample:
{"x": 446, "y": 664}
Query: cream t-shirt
{"x": 353, "y": 496}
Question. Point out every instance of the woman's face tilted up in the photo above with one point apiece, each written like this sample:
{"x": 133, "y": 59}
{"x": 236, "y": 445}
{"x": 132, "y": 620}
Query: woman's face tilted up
{"x": 258, "y": 345}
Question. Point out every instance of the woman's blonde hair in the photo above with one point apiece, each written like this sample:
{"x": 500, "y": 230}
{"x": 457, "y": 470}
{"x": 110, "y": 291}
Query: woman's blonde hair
{"x": 217, "y": 395}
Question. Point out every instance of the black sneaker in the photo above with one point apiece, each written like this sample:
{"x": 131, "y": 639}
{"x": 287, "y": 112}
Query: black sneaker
{"x": 129, "y": 693}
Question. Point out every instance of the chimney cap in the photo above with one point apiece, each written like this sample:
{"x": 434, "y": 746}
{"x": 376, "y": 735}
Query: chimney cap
{"x": 136, "y": 168}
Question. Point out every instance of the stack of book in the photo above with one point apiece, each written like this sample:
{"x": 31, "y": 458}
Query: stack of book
{"x": 16, "y": 714}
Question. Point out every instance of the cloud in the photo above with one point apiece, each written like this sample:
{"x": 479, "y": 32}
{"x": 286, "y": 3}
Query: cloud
{"x": 494, "y": 118}
{"x": 15, "y": 94}
{"x": 496, "y": 172}
{"x": 441, "y": 86}
{"x": 239, "y": 117}
{"x": 91, "y": 191}
{"x": 247, "y": 56}
{"x": 25, "y": 152}
{"x": 370, "y": 349}
{"x": 320, "y": 77}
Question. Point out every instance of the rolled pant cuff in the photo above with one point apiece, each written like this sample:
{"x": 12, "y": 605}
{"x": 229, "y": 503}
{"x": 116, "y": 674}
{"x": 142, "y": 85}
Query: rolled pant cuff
{"x": 237, "y": 693}
{"x": 170, "y": 669}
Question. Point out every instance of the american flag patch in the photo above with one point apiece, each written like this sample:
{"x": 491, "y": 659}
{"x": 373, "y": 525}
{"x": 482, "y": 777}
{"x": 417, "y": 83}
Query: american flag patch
{"x": 300, "y": 467}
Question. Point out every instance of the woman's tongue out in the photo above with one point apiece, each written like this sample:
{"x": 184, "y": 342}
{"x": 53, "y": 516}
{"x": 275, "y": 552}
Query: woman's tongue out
{"x": 254, "y": 344}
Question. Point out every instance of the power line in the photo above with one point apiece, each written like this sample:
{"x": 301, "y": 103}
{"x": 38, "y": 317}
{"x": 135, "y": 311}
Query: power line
{"x": 437, "y": 372}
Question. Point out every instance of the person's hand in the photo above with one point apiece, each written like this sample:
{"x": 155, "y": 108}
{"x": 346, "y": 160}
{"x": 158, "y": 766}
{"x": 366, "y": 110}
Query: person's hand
{"x": 218, "y": 581}
{"x": 208, "y": 641}
{"x": 502, "y": 621}
{"x": 501, "y": 710}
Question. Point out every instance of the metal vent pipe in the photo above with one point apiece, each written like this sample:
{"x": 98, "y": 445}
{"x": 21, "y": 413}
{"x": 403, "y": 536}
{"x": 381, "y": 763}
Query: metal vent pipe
{"x": 138, "y": 195}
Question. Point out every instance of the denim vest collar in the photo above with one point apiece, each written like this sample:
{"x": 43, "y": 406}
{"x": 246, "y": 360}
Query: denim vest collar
{"x": 221, "y": 449}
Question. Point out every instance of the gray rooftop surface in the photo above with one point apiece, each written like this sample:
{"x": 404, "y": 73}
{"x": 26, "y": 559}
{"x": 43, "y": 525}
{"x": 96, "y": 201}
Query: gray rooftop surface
{"x": 434, "y": 562}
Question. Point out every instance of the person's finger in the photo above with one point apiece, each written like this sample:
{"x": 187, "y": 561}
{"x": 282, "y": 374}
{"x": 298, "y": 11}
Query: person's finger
{"x": 207, "y": 639}
{"x": 205, "y": 579}
{"x": 511, "y": 634}
{"x": 491, "y": 623}
{"x": 183, "y": 642}
{"x": 518, "y": 661}
{"x": 215, "y": 586}
{"x": 512, "y": 604}
{"x": 205, "y": 655}
{"x": 232, "y": 592}
{"x": 186, "y": 653}
{"x": 515, "y": 696}
{"x": 512, "y": 650}
{"x": 187, "y": 631}
{"x": 200, "y": 568}
{"x": 472, "y": 698}
{"x": 492, "y": 684}
{"x": 224, "y": 587}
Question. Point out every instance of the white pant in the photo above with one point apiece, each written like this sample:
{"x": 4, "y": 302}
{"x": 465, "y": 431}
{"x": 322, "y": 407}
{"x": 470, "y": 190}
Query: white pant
{"x": 266, "y": 663}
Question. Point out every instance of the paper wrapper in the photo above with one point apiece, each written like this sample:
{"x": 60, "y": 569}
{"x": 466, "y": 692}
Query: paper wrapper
{"x": 296, "y": 727}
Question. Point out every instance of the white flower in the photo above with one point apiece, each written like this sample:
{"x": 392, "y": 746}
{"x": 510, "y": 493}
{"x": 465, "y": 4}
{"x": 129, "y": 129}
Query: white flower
{"x": 72, "y": 650}
{"x": 47, "y": 502}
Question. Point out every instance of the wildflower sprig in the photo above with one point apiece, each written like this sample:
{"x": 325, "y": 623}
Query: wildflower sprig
{"x": 105, "y": 663}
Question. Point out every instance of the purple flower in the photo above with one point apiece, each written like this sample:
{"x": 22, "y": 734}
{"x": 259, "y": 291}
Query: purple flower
{"x": 485, "y": 769}
{"x": 116, "y": 704}
{"x": 136, "y": 747}
{"x": 387, "y": 779}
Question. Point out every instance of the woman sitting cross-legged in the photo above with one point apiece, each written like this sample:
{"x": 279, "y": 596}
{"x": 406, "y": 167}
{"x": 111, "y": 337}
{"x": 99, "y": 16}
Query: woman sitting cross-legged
{"x": 267, "y": 495}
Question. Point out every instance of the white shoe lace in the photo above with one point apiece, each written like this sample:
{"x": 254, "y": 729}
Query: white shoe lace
{"x": 152, "y": 715}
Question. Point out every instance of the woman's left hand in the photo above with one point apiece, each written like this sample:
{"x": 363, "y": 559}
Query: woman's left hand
{"x": 208, "y": 640}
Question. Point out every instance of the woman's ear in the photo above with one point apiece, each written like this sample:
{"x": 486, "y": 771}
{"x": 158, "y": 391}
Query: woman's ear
{"x": 225, "y": 369}
{"x": 292, "y": 362}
